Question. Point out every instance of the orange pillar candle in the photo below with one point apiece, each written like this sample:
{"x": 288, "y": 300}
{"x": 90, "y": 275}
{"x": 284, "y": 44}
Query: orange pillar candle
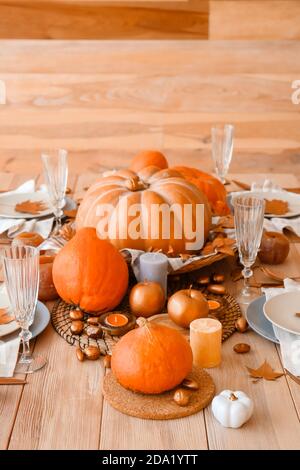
{"x": 206, "y": 339}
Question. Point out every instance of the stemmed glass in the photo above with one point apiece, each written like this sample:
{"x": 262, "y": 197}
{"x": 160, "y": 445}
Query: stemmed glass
{"x": 222, "y": 148}
{"x": 249, "y": 221}
{"x": 21, "y": 273}
{"x": 56, "y": 176}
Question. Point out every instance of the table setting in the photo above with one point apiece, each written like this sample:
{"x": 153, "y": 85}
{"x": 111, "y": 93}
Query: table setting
{"x": 155, "y": 314}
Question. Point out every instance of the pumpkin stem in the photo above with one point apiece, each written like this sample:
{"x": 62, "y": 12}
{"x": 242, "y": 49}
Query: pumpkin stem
{"x": 141, "y": 321}
{"x": 190, "y": 290}
{"x": 233, "y": 397}
{"x": 135, "y": 184}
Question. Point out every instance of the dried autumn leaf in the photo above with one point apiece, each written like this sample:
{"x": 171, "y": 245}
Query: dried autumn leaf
{"x": 226, "y": 250}
{"x": 227, "y": 221}
{"x": 67, "y": 232}
{"x": 218, "y": 242}
{"x": 276, "y": 207}
{"x": 71, "y": 214}
{"x": 5, "y": 317}
{"x": 265, "y": 371}
{"x": 229, "y": 241}
{"x": 170, "y": 250}
{"x": 184, "y": 256}
{"x": 208, "y": 249}
{"x": 31, "y": 207}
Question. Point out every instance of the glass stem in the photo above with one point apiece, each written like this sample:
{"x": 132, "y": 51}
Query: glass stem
{"x": 57, "y": 223}
{"x": 25, "y": 336}
{"x": 247, "y": 273}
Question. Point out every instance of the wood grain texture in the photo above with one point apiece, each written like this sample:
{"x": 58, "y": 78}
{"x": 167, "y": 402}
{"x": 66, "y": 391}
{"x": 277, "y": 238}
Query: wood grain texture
{"x": 105, "y": 101}
{"x": 134, "y": 434}
{"x": 254, "y": 19}
{"x": 103, "y": 20}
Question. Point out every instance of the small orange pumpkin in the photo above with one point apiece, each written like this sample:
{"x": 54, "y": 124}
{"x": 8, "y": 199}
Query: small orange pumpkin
{"x": 210, "y": 186}
{"x": 90, "y": 273}
{"x": 148, "y": 158}
{"x": 152, "y": 358}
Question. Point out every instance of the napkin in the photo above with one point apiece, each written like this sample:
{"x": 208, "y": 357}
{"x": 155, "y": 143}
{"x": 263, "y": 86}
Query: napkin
{"x": 16, "y": 226}
{"x": 278, "y": 224}
{"x": 9, "y": 349}
{"x": 8, "y": 356}
{"x": 289, "y": 286}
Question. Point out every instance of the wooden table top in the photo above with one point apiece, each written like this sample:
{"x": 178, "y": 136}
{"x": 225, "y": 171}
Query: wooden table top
{"x": 62, "y": 407}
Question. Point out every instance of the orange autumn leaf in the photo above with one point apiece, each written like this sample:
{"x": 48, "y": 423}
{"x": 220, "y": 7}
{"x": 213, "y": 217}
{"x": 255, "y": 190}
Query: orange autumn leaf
{"x": 71, "y": 214}
{"x": 265, "y": 371}
{"x": 227, "y": 221}
{"x": 30, "y": 207}
{"x": 276, "y": 207}
{"x": 185, "y": 256}
{"x": 226, "y": 250}
{"x": 5, "y": 317}
{"x": 208, "y": 249}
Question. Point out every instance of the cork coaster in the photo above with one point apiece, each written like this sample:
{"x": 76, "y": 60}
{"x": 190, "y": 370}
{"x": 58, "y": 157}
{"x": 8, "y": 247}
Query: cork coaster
{"x": 158, "y": 406}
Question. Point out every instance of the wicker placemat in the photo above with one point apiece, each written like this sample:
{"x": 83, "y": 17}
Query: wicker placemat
{"x": 159, "y": 406}
{"x": 61, "y": 321}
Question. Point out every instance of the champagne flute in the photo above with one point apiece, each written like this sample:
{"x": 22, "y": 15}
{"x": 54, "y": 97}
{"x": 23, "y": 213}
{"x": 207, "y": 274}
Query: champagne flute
{"x": 222, "y": 148}
{"x": 56, "y": 176}
{"x": 249, "y": 221}
{"x": 21, "y": 273}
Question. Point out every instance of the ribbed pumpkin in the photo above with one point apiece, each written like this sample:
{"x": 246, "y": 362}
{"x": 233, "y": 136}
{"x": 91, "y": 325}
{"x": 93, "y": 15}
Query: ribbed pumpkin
{"x": 148, "y": 158}
{"x": 151, "y": 186}
{"x": 90, "y": 273}
{"x": 211, "y": 186}
{"x": 152, "y": 358}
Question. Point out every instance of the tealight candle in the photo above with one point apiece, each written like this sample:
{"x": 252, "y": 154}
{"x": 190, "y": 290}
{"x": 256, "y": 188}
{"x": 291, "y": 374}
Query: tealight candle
{"x": 154, "y": 267}
{"x": 206, "y": 340}
{"x": 116, "y": 319}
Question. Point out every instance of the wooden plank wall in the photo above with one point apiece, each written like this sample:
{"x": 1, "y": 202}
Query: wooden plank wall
{"x": 105, "y": 100}
{"x": 150, "y": 19}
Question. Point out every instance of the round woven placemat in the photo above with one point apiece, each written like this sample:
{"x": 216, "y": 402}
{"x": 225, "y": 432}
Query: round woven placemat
{"x": 61, "y": 321}
{"x": 159, "y": 406}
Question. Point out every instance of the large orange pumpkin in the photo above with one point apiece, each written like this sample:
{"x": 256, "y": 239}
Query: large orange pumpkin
{"x": 90, "y": 273}
{"x": 151, "y": 359}
{"x": 211, "y": 186}
{"x": 132, "y": 197}
{"x": 148, "y": 158}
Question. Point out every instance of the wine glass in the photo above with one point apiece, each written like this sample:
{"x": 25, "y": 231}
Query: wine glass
{"x": 249, "y": 221}
{"x": 56, "y": 176}
{"x": 222, "y": 148}
{"x": 21, "y": 273}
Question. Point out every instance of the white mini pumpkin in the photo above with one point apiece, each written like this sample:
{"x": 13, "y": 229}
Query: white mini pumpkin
{"x": 232, "y": 409}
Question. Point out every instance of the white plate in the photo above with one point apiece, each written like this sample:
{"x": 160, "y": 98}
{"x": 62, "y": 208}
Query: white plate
{"x": 292, "y": 199}
{"x": 41, "y": 318}
{"x": 4, "y": 303}
{"x": 9, "y": 201}
{"x": 281, "y": 309}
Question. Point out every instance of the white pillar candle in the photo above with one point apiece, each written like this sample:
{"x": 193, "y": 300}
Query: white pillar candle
{"x": 154, "y": 267}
